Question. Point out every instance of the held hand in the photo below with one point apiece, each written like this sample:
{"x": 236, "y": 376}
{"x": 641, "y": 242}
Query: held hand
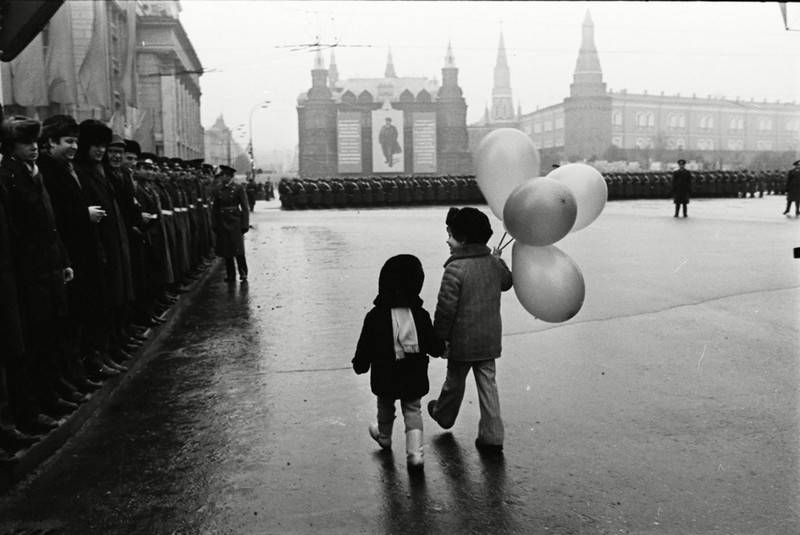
{"x": 68, "y": 274}
{"x": 96, "y": 214}
{"x": 498, "y": 252}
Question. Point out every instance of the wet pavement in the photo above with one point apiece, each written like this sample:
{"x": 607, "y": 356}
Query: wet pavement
{"x": 668, "y": 405}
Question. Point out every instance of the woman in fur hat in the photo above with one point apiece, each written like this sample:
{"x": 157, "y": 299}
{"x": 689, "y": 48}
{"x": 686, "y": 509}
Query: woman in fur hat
{"x": 42, "y": 269}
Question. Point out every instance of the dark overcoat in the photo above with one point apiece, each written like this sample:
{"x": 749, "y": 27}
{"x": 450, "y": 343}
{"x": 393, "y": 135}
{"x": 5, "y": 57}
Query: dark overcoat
{"x": 158, "y": 265}
{"x": 231, "y": 219}
{"x": 38, "y": 254}
{"x": 78, "y": 234}
{"x": 118, "y": 284}
{"x": 681, "y": 186}
{"x": 11, "y": 341}
{"x": 391, "y": 378}
{"x": 793, "y": 185}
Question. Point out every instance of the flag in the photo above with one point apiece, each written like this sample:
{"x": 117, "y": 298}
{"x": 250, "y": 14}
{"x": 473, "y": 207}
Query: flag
{"x": 93, "y": 75}
{"x": 128, "y": 55}
{"x": 62, "y": 86}
{"x": 27, "y": 76}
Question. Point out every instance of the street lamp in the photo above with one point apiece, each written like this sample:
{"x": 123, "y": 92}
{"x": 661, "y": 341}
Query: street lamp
{"x": 252, "y": 159}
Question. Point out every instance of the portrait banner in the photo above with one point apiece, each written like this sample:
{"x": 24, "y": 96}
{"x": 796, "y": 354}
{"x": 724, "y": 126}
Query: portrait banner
{"x": 387, "y": 141}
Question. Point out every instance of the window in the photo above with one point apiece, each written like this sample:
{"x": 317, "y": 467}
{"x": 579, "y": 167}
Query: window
{"x": 765, "y": 123}
{"x": 792, "y": 125}
{"x": 645, "y": 119}
{"x": 672, "y": 120}
{"x": 736, "y": 123}
{"x": 680, "y": 143}
{"x": 537, "y": 127}
{"x": 616, "y": 141}
{"x": 735, "y": 144}
{"x": 616, "y": 118}
{"x": 644, "y": 143}
{"x": 764, "y": 144}
{"x": 559, "y": 123}
{"x": 706, "y": 122}
{"x": 701, "y": 144}
{"x": 548, "y": 126}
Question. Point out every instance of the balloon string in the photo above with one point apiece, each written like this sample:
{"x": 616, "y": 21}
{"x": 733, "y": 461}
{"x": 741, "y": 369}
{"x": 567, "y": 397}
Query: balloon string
{"x": 507, "y": 244}
{"x": 500, "y": 245}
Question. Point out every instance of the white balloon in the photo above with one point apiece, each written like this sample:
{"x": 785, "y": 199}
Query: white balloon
{"x": 589, "y": 188}
{"x": 503, "y": 159}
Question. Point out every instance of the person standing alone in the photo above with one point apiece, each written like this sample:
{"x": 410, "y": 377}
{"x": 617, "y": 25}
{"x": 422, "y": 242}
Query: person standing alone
{"x": 681, "y": 187}
{"x": 231, "y": 220}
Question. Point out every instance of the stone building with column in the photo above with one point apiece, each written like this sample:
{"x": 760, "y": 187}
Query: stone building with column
{"x": 129, "y": 64}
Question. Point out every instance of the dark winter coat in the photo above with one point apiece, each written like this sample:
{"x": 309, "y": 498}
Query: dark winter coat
{"x": 11, "y": 340}
{"x": 118, "y": 284}
{"x": 231, "y": 219}
{"x": 158, "y": 265}
{"x": 682, "y": 186}
{"x": 77, "y": 232}
{"x": 793, "y": 186}
{"x": 468, "y": 307}
{"x": 391, "y": 378}
{"x": 38, "y": 254}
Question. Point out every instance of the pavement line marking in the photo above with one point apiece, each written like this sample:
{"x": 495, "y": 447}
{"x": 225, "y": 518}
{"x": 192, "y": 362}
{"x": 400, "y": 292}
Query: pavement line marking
{"x": 701, "y": 357}
{"x": 679, "y": 267}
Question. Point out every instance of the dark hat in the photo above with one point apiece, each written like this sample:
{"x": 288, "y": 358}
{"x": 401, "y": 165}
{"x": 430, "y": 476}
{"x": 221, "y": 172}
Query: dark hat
{"x": 469, "y": 225}
{"x": 225, "y": 170}
{"x": 176, "y": 163}
{"x": 400, "y": 282}
{"x": 94, "y": 132}
{"x": 117, "y": 141}
{"x": 148, "y": 157}
{"x": 796, "y": 162}
{"x": 194, "y": 164}
{"x": 682, "y": 161}
{"x": 133, "y": 147}
{"x": 58, "y": 126}
{"x": 19, "y": 129}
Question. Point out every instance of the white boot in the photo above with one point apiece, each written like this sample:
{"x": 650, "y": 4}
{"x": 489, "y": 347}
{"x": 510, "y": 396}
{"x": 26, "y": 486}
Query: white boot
{"x": 384, "y": 441}
{"x": 414, "y": 454}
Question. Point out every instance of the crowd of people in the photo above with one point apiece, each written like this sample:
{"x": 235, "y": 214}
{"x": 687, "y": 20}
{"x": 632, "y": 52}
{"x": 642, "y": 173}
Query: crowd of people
{"x": 299, "y": 194}
{"x": 97, "y": 241}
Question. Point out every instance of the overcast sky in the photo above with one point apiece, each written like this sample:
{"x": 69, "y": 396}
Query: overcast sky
{"x": 260, "y": 50}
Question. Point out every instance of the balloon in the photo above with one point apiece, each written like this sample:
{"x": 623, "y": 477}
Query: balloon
{"x": 548, "y": 283}
{"x": 503, "y": 159}
{"x": 540, "y": 211}
{"x": 589, "y": 188}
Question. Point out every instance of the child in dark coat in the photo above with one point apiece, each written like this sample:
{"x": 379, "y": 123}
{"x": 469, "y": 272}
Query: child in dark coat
{"x": 395, "y": 342}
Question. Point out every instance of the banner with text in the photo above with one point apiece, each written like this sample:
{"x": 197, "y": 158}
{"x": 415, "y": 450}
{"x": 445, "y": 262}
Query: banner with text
{"x": 348, "y": 131}
{"x": 424, "y": 139}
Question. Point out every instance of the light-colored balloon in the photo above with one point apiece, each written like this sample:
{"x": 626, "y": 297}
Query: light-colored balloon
{"x": 540, "y": 211}
{"x": 503, "y": 159}
{"x": 548, "y": 283}
{"x": 589, "y": 188}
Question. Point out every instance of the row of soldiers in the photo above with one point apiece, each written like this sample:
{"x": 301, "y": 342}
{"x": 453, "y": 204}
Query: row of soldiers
{"x": 299, "y": 194}
{"x": 97, "y": 240}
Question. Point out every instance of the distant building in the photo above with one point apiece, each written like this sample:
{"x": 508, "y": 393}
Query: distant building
{"x": 129, "y": 64}
{"x": 222, "y": 149}
{"x": 340, "y": 124}
{"x": 594, "y": 123}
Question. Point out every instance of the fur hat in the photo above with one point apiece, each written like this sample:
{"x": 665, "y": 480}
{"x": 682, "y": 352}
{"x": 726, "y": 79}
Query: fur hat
{"x": 469, "y": 225}
{"x": 133, "y": 147}
{"x": 400, "y": 282}
{"x": 58, "y": 126}
{"x": 19, "y": 129}
{"x": 94, "y": 132}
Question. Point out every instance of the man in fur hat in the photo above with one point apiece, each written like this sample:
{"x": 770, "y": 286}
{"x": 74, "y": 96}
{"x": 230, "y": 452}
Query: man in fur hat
{"x": 42, "y": 270}
{"x": 93, "y": 140}
{"x": 78, "y": 233}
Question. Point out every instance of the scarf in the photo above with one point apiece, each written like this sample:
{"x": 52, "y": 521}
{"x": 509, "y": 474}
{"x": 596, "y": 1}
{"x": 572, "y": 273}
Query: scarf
{"x": 404, "y": 333}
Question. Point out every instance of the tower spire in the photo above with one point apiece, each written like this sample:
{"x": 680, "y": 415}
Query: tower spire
{"x": 390, "y": 66}
{"x": 333, "y": 71}
{"x": 449, "y": 58}
{"x": 588, "y": 76}
{"x": 502, "y": 102}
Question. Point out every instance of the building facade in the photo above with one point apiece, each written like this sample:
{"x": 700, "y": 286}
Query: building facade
{"x": 594, "y": 123}
{"x": 129, "y": 64}
{"x": 391, "y": 125}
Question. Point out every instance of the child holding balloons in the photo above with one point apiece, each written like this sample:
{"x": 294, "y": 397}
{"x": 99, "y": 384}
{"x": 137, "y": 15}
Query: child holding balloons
{"x": 467, "y": 317}
{"x": 395, "y": 342}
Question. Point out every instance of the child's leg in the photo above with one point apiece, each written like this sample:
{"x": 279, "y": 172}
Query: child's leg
{"x": 413, "y": 421}
{"x": 490, "y": 427}
{"x": 385, "y": 417}
{"x": 449, "y": 402}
